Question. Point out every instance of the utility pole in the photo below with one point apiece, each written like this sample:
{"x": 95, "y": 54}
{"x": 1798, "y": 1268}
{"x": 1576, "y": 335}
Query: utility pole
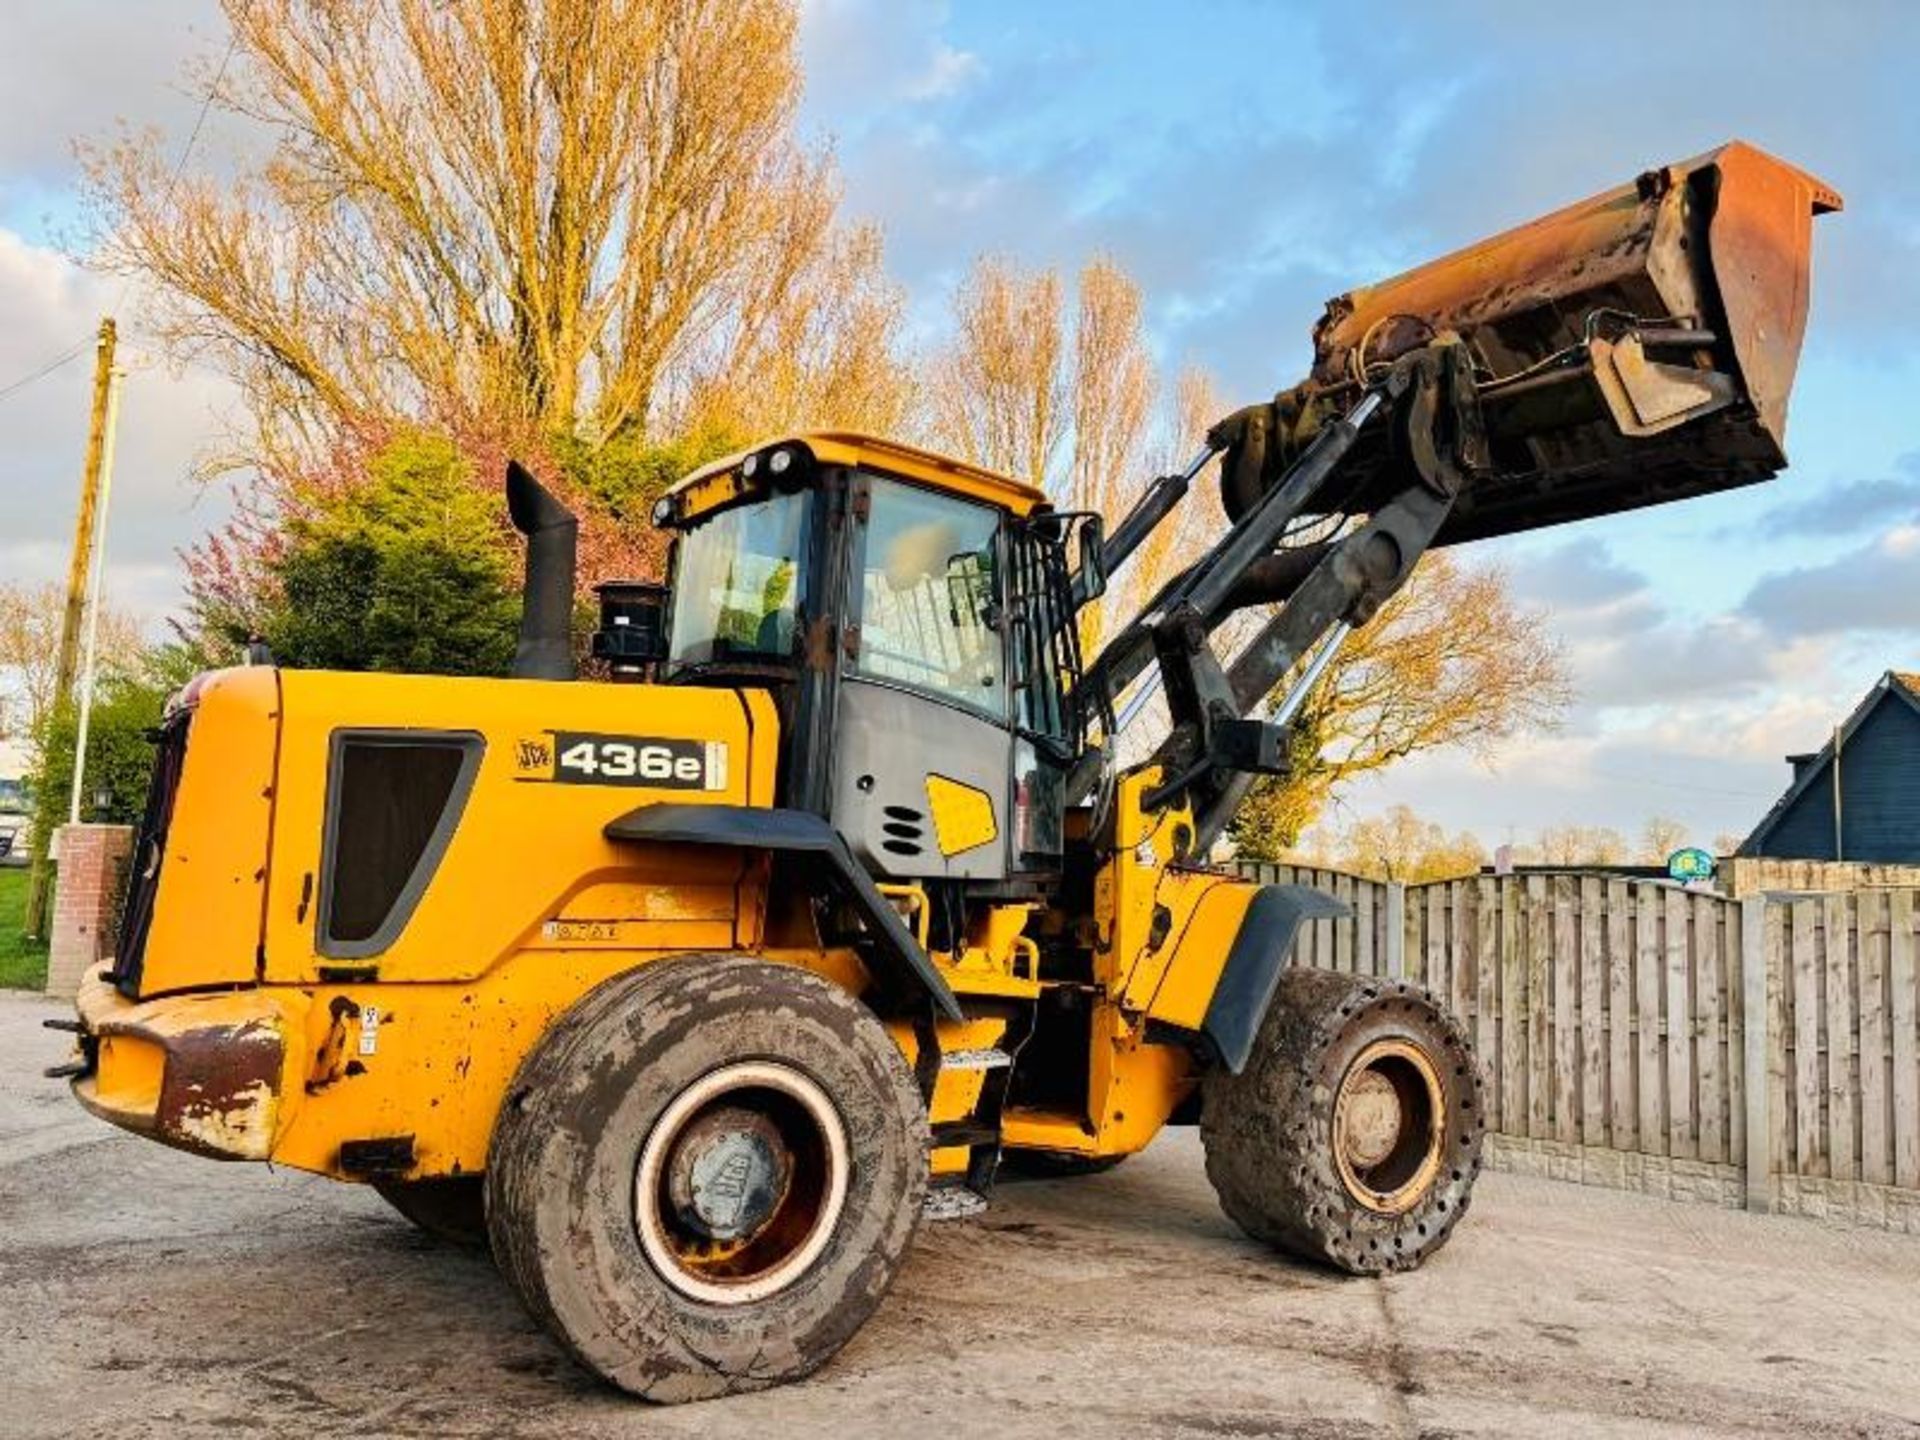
{"x": 90, "y": 654}
{"x": 77, "y": 572}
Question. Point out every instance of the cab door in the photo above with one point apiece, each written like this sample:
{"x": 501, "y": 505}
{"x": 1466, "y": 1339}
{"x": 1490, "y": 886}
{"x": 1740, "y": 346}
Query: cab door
{"x": 923, "y": 750}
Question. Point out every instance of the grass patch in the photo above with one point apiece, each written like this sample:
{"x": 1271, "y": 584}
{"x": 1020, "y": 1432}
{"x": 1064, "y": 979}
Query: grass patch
{"x": 23, "y": 962}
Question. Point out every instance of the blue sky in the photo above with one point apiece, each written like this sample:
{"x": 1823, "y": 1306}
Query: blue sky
{"x": 1247, "y": 161}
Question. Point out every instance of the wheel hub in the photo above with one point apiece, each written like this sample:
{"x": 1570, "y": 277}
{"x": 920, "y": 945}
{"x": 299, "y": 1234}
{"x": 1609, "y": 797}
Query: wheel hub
{"x": 1372, "y": 1119}
{"x": 1389, "y": 1120}
{"x": 740, "y": 1183}
{"x": 727, "y": 1174}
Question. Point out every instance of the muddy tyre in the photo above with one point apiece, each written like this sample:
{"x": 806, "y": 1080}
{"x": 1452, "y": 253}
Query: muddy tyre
{"x": 704, "y": 1177}
{"x": 1353, "y": 1135}
{"x": 452, "y": 1210}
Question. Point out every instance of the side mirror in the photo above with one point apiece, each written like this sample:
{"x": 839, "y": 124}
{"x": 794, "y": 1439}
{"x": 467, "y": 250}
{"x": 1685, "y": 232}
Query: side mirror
{"x": 632, "y": 634}
{"x": 1093, "y": 560}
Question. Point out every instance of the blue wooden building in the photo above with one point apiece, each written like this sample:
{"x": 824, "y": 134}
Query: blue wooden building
{"x": 1858, "y": 798}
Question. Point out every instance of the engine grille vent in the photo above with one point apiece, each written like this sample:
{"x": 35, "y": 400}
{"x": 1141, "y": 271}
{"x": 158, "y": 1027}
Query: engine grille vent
{"x": 905, "y": 830}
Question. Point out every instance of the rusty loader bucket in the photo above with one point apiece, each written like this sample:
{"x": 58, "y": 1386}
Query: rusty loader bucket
{"x": 1631, "y": 349}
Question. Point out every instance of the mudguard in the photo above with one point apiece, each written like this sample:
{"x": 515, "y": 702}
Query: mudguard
{"x": 1252, "y": 972}
{"x": 905, "y": 967}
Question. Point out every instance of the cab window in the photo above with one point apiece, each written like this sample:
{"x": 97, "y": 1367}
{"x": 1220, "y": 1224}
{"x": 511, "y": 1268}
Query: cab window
{"x": 929, "y": 597}
{"x": 737, "y": 579}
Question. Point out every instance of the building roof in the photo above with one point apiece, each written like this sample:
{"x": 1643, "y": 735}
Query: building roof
{"x": 1903, "y": 685}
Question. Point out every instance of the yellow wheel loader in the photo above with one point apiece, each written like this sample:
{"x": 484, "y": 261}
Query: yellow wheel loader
{"x": 692, "y": 990}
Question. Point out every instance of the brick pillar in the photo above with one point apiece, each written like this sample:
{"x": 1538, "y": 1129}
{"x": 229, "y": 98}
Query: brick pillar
{"x": 86, "y": 895}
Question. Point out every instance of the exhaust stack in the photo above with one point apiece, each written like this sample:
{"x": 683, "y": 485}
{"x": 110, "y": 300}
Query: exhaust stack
{"x": 546, "y": 640}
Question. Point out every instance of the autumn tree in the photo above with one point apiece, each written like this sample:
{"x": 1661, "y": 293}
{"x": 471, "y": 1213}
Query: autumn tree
{"x": 1451, "y": 660}
{"x": 31, "y": 617}
{"x": 1113, "y": 385}
{"x": 999, "y": 392}
{"x": 1573, "y": 845}
{"x": 1660, "y": 837}
{"x": 579, "y": 217}
{"x": 1398, "y": 844}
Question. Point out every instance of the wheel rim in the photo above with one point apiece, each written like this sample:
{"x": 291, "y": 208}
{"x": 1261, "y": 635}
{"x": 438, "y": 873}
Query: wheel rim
{"x": 1388, "y": 1123}
{"x": 740, "y": 1183}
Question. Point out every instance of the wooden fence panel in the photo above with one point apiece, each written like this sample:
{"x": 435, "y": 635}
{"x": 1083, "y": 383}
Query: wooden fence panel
{"x": 1566, "y": 1012}
{"x": 1486, "y": 1012}
{"x": 1592, "y": 1058}
{"x": 1679, "y": 1028}
{"x": 1733, "y": 980}
{"x": 1876, "y": 1073}
{"x": 1538, "y": 1009}
{"x": 1837, "y": 1021}
{"x": 1903, "y": 988}
{"x": 1647, "y": 977}
{"x": 1511, "y": 1010}
{"x": 1433, "y": 953}
{"x": 1364, "y": 900}
{"x": 1809, "y": 1084}
{"x": 1622, "y": 1093}
{"x": 1462, "y": 935}
{"x": 1709, "y": 978}
{"x": 1615, "y": 1013}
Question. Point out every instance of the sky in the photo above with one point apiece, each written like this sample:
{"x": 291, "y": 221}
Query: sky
{"x": 1246, "y": 161}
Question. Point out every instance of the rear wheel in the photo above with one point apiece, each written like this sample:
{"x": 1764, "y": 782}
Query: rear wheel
{"x": 452, "y": 1209}
{"x": 1353, "y": 1135}
{"x": 704, "y": 1177}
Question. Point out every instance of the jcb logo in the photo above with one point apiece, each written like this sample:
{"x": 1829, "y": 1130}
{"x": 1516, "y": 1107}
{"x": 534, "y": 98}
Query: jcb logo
{"x": 533, "y": 756}
{"x": 573, "y": 758}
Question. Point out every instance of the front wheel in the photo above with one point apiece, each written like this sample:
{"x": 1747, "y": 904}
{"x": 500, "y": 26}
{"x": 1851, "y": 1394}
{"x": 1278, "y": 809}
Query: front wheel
{"x": 704, "y": 1177}
{"x": 1353, "y": 1135}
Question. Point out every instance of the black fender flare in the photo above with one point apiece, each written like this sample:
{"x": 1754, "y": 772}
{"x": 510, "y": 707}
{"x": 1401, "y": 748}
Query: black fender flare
{"x": 1252, "y": 973}
{"x": 906, "y": 970}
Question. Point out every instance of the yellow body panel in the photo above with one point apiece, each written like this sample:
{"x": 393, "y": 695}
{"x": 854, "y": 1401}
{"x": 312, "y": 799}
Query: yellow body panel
{"x": 528, "y": 907}
{"x": 527, "y": 866}
{"x": 208, "y": 910}
{"x": 1184, "y": 987}
{"x": 962, "y": 815}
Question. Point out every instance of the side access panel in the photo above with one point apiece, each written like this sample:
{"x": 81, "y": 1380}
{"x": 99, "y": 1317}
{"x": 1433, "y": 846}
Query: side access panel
{"x": 1220, "y": 987}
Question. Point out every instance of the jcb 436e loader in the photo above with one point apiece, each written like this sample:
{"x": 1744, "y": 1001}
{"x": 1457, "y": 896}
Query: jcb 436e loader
{"x": 693, "y": 990}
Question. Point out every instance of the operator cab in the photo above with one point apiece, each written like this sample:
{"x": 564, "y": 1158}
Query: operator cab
{"x": 912, "y": 617}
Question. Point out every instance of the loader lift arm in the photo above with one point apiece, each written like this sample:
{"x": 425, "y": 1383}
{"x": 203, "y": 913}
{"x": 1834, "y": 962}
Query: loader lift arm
{"x": 1216, "y": 747}
{"x": 1632, "y": 349}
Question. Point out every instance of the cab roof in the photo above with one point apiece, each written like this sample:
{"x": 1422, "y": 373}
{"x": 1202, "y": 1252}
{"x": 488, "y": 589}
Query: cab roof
{"x": 715, "y": 484}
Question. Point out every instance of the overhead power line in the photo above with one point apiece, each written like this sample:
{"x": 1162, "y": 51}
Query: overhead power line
{"x": 47, "y": 369}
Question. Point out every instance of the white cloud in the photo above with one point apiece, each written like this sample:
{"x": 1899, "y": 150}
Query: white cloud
{"x": 1875, "y": 587}
{"x": 166, "y": 421}
{"x": 949, "y": 71}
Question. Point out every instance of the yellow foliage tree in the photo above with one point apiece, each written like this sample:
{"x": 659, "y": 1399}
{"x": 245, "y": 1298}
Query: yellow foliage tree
{"x": 1397, "y": 845}
{"x": 1451, "y": 660}
{"x": 999, "y": 388}
{"x": 586, "y": 217}
{"x": 30, "y": 620}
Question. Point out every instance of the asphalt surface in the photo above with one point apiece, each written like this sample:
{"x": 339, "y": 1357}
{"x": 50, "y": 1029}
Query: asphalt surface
{"x": 144, "y": 1292}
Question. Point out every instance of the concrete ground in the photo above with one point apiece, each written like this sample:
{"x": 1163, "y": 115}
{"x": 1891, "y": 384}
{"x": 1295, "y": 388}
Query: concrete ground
{"x": 148, "y": 1292}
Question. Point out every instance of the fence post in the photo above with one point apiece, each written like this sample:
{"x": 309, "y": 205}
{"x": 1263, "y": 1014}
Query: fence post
{"x": 1396, "y": 930}
{"x": 1757, "y": 1042}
